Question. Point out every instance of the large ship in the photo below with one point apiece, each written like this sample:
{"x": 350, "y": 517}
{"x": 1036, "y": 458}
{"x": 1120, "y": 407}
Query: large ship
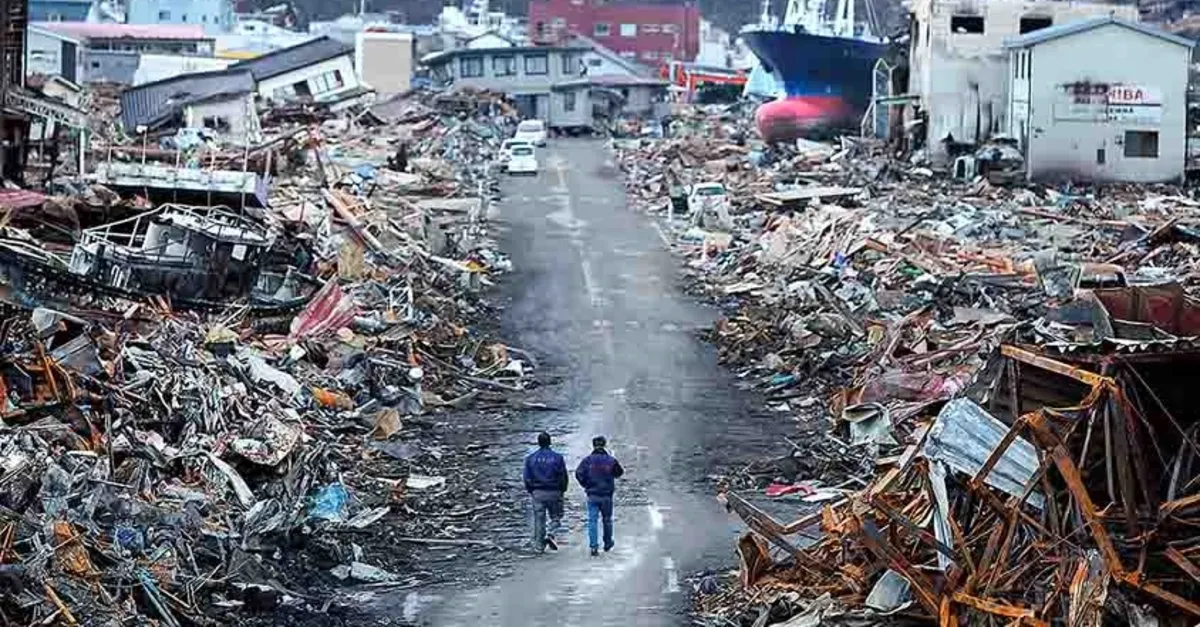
{"x": 819, "y": 68}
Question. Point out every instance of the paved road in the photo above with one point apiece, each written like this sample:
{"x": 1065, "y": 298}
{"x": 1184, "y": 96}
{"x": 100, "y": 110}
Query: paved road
{"x": 596, "y": 294}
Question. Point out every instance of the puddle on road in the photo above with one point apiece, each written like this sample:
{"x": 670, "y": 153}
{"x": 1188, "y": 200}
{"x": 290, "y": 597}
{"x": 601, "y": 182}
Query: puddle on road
{"x": 415, "y": 602}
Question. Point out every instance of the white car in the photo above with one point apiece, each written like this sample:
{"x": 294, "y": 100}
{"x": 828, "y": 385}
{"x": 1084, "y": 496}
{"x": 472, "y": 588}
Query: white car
{"x": 522, "y": 160}
{"x": 508, "y": 145}
{"x": 532, "y": 131}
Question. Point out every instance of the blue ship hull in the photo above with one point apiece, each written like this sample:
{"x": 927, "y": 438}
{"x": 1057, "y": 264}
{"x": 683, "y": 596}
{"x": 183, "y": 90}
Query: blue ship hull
{"x": 819, "y": 67}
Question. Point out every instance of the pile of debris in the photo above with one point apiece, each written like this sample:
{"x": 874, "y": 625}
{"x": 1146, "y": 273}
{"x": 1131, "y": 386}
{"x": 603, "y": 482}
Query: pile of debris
{"x": 1004, "y": 358}
{"x": 206, "y": 406}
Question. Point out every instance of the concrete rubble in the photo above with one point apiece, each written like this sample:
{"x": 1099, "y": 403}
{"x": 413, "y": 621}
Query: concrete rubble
{"x": 197, "y": 375}
{"x": 989, "y": 384}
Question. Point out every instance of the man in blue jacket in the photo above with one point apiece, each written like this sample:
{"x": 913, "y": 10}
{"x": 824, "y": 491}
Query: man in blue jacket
{"x": 546, "y": 482}
{"x": 597, "y": 473}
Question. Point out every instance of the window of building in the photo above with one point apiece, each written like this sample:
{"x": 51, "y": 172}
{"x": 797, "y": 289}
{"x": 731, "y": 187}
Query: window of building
{"x": 504, "y": 66}
{"x": 571, "y": 64}
{"x": 650, "y": 54}
{"x": 1031, "y": 23}
{"x": 629, "y": 30}
{"x": 164, "y": 16}
{"x": 95, "y": 65}
{"x": 670, "y": 29}
{"x": 666, "y": 56}
{"x": 595, "y": 62}
{"x": 569, "y": 101}
{"x": 217, "y": 123}
{"x": 250, "y": 28}
{"x": 601, "y": 29}
{"x": 972, "y": 24}
{"x": 470, "y": 67}
{"x": 1141, "y": 144}
{"x": 183, "y": 18}
{"x": 323, "y": 83}
{"x": 54, "y": 17}
{"x": 650, "y": 29}
{"x": 537, "y": 64}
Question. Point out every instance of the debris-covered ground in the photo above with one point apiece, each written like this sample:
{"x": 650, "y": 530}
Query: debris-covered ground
{"x": 990, "y": 381}
{"x": 215, "y": 412}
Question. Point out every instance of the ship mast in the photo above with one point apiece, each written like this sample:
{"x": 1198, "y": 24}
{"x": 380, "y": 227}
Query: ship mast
{"x": 808, "y": 14}
{"x": 765, "y": 17}
{"x": 843, "y": 20}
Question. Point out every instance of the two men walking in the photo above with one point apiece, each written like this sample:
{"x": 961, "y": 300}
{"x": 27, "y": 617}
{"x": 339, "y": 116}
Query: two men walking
{"x": 546, "y": 482}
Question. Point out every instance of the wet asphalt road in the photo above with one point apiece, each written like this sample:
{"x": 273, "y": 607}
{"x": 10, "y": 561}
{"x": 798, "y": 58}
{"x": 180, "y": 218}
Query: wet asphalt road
{"x": 595, "y": 295}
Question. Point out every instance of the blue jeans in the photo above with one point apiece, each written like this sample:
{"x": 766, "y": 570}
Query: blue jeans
{"x": 600, "y": 506}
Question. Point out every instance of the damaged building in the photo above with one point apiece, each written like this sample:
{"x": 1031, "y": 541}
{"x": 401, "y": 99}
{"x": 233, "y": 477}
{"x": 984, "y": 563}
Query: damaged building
{"x": 958, "y": 66}
{"x": 1099, "y": 100}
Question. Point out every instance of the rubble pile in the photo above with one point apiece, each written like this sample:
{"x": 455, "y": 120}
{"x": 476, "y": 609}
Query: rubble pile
{"x": 213, "y": 433}
{"x": 1000, "y": 369}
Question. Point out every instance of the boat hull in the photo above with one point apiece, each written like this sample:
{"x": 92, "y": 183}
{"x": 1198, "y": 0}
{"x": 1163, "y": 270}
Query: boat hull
{"x": 826, "y": 81}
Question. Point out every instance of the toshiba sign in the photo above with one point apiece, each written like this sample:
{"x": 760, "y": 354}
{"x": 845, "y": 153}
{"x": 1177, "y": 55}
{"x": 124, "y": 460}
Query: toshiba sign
{"x": 1109, "y": 102}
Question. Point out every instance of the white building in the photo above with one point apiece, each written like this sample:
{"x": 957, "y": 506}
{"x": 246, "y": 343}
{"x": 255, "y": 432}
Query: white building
{"x": 958, "y": 67}
{"x": 716, "y": 46}
{"x": 1100, "y": 100}
{"x": 384, "y": 61}
{"x": 320, "y": 70}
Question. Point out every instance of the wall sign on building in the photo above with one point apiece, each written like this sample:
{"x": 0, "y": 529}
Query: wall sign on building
{"x": 1108, "y": 102}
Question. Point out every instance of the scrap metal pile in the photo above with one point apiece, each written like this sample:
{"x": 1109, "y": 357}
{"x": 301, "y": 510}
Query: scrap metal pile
{"x": 1009, "y": 365}
{"x": 195, "y": 463}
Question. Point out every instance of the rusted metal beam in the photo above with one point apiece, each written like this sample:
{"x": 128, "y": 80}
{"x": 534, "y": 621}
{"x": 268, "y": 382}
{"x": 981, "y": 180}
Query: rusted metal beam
{"x": 1170, "y": 507}
{"x": 1025, "y": 614}
{"x": 1182, "y": 561}
{"x": 1121, "y": 455}
{"x": 1070, "y": 473}
{"x": 921, "y": 586}
{"x": 1165, "y": 595}
{"x": 1045, "y": 363}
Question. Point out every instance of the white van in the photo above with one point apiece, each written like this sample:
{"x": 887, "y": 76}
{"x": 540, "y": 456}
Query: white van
{"x": 532, "y": 131}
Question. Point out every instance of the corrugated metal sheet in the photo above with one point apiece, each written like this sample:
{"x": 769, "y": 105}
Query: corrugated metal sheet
{"x": 288, "y": 59}
{"x": 150, "y": 103}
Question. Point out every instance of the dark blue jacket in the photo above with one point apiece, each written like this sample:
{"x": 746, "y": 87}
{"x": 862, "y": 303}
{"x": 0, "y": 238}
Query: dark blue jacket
{"x": 545, "y": 470}
{"x": 596, "y": 473}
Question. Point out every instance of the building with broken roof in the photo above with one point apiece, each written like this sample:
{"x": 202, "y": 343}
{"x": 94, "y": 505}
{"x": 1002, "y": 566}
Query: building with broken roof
{"x": 222, "y": 101}
{"x": 1102, "y": 99}
{"x": 958, "y": 67}
{"x": 321, "y": 70}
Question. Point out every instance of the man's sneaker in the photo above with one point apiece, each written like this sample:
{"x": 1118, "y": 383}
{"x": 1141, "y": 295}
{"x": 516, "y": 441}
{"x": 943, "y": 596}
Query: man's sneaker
{"x": 595, "y": 552}
{"x": 551, "y": 543}
{"x": 608, "y": 548}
